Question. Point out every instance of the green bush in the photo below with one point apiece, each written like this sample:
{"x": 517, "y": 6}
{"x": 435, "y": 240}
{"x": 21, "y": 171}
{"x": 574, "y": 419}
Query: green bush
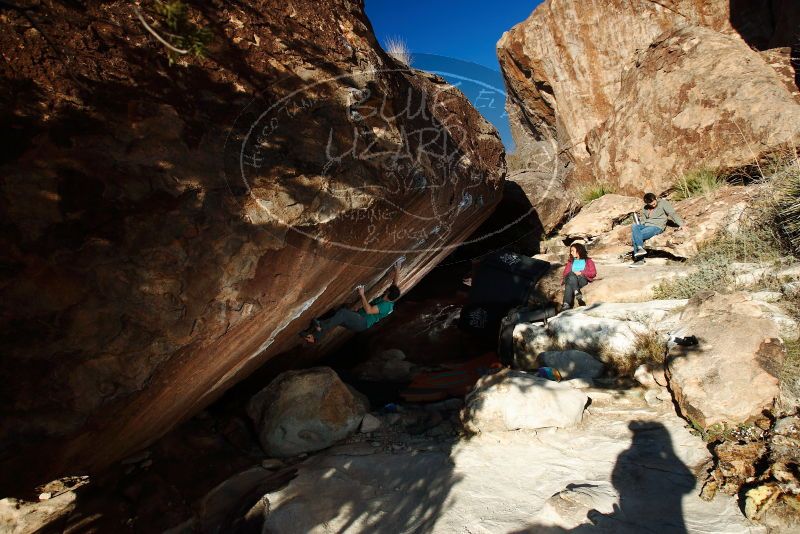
{"x": 594, "y": 191}
{"x": 697, "y": 183}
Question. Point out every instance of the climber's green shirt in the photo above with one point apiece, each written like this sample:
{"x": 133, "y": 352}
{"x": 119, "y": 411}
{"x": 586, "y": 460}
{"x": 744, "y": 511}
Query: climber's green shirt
{"x": 385, "y": 307}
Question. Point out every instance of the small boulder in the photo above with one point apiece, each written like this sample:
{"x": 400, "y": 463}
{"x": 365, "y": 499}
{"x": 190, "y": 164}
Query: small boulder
{"x": 571, "y": 363}
{"x": 577, "y": 330}
{"x": 785, "y": 453}
{"x": 732, "y": 375}
{"x": 512, "y": 400}
{"x": 600, "y": 216}
{"x": 370, "y": 423}
{"x": 229, "y": 495}
{"x": 387, "y": 366}
{"x": 631, "y": 283}
{"x": 791, "y": 289}
{"x": 650, "y": 376}
{"x": 571, "y": 507}
{"x": 579, "y": 383}
{"x": 303, "y": 411}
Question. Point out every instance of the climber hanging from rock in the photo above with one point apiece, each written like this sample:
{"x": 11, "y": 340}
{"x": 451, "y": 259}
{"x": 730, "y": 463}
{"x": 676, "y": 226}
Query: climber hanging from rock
{"x": 358, "y": 321}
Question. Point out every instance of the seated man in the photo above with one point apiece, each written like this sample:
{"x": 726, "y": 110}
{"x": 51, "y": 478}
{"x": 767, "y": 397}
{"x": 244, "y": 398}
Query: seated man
{"x": 357, "y": 321}
{"x": 652, "y": 221}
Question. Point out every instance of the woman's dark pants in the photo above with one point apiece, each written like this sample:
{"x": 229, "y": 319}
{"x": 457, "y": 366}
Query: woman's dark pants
{"x": 572, "y": 283}
{"x": 343, "y": 317}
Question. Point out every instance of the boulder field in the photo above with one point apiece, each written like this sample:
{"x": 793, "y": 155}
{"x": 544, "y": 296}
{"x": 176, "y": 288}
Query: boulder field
{"x": 171, "y": 222}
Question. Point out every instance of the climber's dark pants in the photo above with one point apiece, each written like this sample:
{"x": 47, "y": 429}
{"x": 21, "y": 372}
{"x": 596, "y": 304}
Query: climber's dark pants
{"x": 343, "y": 317}
{"x": 573, "y": 283}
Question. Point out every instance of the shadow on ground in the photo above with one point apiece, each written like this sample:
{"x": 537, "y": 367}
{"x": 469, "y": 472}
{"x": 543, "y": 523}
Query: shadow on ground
{"x": 650, "y": 481}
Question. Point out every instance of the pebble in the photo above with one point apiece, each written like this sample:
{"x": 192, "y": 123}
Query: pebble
{"x": 45, "y": 496}
{"x": 651, "y": 397}
{"x": 272, "y": 463}
{"x": 370, "y": 423}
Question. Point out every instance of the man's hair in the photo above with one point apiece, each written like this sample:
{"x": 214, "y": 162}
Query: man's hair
{"x": 649, "y": 197}
{"x": 582, "y": 254}
{"x": 393, "y": 293}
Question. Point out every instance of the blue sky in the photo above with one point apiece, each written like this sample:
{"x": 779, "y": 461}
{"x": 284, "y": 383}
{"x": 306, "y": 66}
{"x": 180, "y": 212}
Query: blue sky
{"x": 465, "y": 30}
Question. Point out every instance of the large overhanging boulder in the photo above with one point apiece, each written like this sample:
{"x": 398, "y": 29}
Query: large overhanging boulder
{"x": 167, "y": 228}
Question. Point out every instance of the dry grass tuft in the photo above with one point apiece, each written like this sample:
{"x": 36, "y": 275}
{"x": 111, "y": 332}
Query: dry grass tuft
{"x": 769, "y": 234}
{"x": 398, "y": 49}
{"x": 590, "y": 192}
{"x": 697, "y": 183}
{"x": 784, "y": 177}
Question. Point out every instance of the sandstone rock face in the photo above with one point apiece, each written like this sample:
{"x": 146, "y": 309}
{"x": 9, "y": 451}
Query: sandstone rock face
{"x": 304, "y": 411}
{"x": 600, "y": 216}
{"x": 166, "y": 232}
{"x": 654, "y": 312}
{"x": 562, "y": 65}
{"x": 546, "y": 192}
{"x": 615, "y": 87}
{"x": 732, "y": 375}
{"x": 512, "y": 400}
{"x": 719, "y": 105}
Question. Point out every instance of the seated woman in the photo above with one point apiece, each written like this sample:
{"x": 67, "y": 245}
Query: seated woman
{"x": 578, "y": 272}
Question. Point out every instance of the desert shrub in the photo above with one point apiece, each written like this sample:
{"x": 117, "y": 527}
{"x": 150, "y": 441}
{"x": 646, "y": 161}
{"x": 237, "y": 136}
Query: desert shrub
{"x": 714, "y": 264}
{"x": 175, "y": 29}
{"x": 650, "y": 348}
{"x": 756, "y": 241}
{"x": 183, "y": 32}
{"x": 786, "y": 204}
{"x": 594, "y": 191}
{"x": 398, "y": 49}
{"x": 697, "y": 183}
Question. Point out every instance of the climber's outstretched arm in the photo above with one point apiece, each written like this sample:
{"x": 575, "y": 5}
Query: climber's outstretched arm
{"x": 397, "y": 265}
{"x": 369, "y": 308}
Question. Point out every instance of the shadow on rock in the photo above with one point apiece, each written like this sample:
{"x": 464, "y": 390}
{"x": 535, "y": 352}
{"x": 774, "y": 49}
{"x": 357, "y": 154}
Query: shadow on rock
{"x": 649, "y": 480}
{"x": 351, "y": 489}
